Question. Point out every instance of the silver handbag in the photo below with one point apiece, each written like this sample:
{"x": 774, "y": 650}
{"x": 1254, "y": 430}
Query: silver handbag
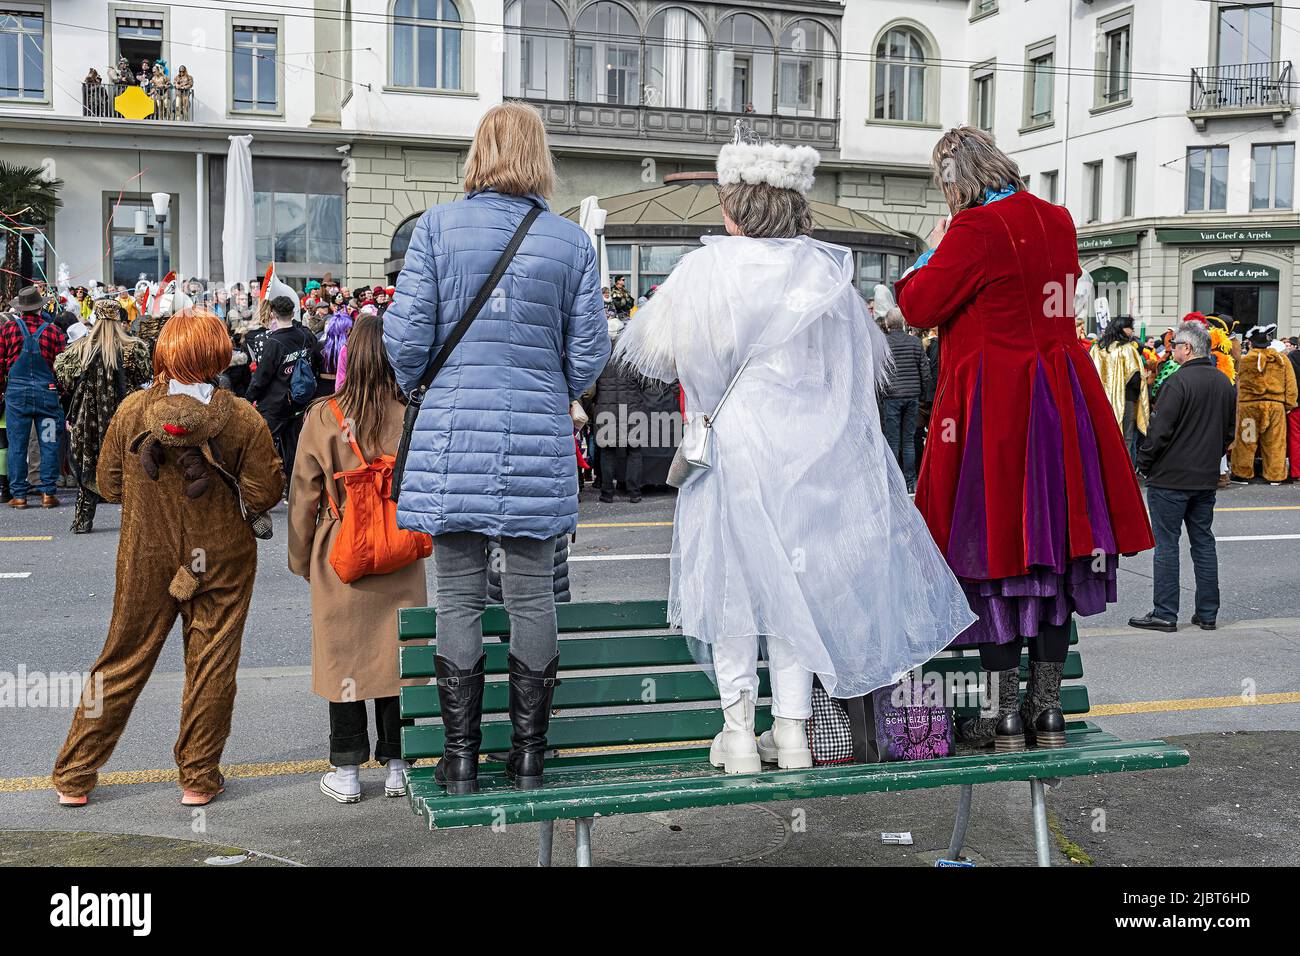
{"x": 695, "y": 454}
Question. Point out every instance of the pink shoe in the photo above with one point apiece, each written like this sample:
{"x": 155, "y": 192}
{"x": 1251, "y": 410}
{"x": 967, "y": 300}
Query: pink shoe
{"x": 192, "y": 798}
{"x": 66, "y": 800}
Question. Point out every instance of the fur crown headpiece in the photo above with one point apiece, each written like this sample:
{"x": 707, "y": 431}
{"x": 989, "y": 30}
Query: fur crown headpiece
{"x": 748, "y": 159}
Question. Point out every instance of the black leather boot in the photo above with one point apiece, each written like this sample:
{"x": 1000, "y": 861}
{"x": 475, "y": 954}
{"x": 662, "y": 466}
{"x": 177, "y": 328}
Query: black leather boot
{"x": 5, "y": 494}
{"x": 531, "y": 693}
{"x": 1041, "y": 710}
{"x": 1006, "y": 731}
{"x": 460, "y": 693}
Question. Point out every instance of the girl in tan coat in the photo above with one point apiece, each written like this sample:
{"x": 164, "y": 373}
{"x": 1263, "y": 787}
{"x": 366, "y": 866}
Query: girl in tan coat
{"x": 354, "y": 626}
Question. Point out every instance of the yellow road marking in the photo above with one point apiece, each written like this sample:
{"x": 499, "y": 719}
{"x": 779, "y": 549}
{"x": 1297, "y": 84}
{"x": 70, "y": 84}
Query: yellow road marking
{"x": 1262, "y": 508}
{"x": 28, "y": 537}
{"x": 1193, "y": 703}
{"x": 625, "y": 524}
{"x": 288, "y": 768}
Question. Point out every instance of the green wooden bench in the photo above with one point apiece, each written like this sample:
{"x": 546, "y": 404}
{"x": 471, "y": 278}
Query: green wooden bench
{"x": 645, "y": 746}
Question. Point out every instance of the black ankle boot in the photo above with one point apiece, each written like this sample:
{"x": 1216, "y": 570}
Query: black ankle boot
{"x": 530, "y": 718}
{"x": 1006, "y": 731}
{"x": 460, "y": 693}
{"x": 5, "y": 494}
{"x": 1041, "y": 709}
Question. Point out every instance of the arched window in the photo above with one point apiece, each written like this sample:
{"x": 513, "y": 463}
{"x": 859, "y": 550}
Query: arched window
{"x": 902, "y": 73}
{"x": 402, "y": 237}
{"x": 743, "y": 65}
{"x": 607, "y": 55}
{"x": 426, "y": 44}
{"x": 537, "y": 50}
{"x": 806, "y": 69}
{"x": 676, "y": 61}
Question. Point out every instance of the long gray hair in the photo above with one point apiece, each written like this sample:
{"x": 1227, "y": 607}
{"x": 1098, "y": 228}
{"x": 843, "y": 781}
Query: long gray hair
{"x": 966, "y": 162}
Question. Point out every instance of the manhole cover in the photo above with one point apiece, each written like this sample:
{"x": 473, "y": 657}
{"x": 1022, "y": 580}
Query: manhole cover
{"x": 713, "y": 836}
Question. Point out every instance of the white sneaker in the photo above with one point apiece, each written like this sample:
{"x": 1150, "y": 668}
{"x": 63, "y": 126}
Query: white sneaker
{"x": 395, "y": 782}
{"x": 786, "y": 745}
{"x": 342, "y": 784}
{"x": 734, "y": 749}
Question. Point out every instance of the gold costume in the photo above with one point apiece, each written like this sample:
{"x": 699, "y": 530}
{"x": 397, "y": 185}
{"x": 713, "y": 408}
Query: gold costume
{"x": 1116, "y": 364}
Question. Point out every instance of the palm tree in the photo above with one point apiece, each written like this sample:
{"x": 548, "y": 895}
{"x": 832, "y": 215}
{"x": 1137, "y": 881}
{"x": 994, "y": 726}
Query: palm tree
{"x": 30, "y": 197}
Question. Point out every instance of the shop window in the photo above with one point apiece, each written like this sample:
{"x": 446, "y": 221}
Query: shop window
{"x": 402, "y": 237}
{"x": 298, "y": 228}
{"x": 131, "y": 255}
{"x": 619, "y": 257}
{"x": 656, "y": 262}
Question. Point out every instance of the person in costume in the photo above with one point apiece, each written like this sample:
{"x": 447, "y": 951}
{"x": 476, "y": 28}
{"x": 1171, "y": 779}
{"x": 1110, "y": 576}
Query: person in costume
{"x": 800, "y": 535}
{"x": 1118, "y": 358}
{"x": 1266, "y": 394}
{"x": 186, "y": 461}
{"x": 1035, "y": 498}
{"x": 97, "y": 372}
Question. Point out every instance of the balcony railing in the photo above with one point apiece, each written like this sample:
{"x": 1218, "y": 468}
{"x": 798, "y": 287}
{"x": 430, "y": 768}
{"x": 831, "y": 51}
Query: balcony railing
{"x": 663, "y": 123}
{"x": 171, "y": 104}
{"x": 1242, "y": 86}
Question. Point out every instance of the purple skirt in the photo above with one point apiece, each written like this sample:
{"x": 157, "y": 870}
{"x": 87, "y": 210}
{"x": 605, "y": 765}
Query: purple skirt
{"x": 1055, "y": 586}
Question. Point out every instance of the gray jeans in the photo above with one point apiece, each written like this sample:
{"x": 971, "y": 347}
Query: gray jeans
{"x": 527, "y": 572}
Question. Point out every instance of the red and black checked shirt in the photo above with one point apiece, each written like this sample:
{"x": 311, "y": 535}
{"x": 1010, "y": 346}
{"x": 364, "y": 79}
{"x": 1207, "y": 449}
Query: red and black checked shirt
{"x": 52, "y": 342}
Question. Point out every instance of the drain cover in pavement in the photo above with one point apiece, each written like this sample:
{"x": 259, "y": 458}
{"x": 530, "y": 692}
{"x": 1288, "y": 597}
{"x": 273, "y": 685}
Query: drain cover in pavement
{"x": 708, "y": 837}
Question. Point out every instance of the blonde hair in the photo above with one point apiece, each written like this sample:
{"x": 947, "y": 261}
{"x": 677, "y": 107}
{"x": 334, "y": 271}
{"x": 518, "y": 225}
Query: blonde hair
{"x": 106, "y": 341}
{"x": 510, "y": 153}
{"x": 966, "y": 162}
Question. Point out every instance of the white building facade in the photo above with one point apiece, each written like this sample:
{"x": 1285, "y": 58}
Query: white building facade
{"x": 1166, "y": 126}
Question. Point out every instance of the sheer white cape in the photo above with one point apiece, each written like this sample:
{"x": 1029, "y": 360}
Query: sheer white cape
{"x": 802, "y": 530}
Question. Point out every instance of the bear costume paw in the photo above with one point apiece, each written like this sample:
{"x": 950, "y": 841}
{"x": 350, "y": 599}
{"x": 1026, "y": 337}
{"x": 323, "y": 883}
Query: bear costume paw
{"x": 195, "y": 469}
{"x": 151, "y": 458}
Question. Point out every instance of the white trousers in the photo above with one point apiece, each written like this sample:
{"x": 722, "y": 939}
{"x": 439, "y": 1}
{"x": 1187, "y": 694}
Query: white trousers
{"x": 735, "y": 663}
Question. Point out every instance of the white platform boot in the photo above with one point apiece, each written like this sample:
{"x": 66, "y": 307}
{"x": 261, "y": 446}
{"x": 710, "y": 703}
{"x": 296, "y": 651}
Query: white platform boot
{"x": 786, "y": 744}
{"x": 734, "y": 748}
{"x": 342, "y": 784}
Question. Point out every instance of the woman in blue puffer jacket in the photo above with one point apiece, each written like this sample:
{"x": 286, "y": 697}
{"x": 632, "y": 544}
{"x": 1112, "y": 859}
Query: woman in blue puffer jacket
{"x": 492, "y": 454}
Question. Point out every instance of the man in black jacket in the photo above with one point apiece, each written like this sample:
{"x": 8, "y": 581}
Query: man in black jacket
{"x": 1191, "y": 430}
{"x": 284, "y": 344}
{"x": 901, "y": 400}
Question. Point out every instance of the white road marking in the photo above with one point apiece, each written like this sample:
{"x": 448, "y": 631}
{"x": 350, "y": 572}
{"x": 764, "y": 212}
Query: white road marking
{"x": 15, "y": 574}
{"x": 1260, "y": 537}
{"x": 620, "y": 557}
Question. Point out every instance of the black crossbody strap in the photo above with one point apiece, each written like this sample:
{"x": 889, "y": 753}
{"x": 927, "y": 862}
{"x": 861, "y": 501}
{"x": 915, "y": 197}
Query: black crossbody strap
{"x": 416, "y": 398}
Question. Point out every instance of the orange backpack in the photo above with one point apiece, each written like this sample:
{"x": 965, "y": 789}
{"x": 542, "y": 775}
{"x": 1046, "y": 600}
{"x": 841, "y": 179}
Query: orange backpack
{"x": 368, "y": 540}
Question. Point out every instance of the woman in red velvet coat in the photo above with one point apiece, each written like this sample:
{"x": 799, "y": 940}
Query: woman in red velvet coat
{"x": 1026, "y": 484}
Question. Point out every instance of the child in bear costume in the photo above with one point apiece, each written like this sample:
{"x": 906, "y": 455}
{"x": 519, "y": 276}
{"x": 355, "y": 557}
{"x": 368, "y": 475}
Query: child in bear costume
{"x": 1266, "y": 393}
{"x": 187, "y": 462}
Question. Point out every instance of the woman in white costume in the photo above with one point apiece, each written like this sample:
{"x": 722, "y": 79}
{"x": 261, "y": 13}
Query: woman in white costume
{"x": 801, "y": 531}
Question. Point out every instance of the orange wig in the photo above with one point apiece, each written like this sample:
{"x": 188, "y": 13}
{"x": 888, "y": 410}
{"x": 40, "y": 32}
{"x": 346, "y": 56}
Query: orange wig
{"x": 193, "y": 348}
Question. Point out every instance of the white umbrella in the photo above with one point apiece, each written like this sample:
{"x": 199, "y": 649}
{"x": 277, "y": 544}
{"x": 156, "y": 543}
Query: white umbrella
{"x": 592, "y": 219}
{"x": 237, "y": 231}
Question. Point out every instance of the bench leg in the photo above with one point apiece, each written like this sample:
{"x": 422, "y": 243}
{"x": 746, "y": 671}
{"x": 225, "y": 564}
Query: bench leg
{"x": 1042, "y": 841}
{"x": 545, "y": 840}
{"x": 582, "y": 829}
{"x": 959, "y": 824}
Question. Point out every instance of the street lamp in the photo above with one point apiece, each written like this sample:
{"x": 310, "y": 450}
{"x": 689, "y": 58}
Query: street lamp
{"x": 161, "y": 202}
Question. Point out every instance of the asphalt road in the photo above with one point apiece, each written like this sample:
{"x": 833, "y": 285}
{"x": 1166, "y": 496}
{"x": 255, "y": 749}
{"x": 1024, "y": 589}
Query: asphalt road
{"x": 56, "y": 593}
